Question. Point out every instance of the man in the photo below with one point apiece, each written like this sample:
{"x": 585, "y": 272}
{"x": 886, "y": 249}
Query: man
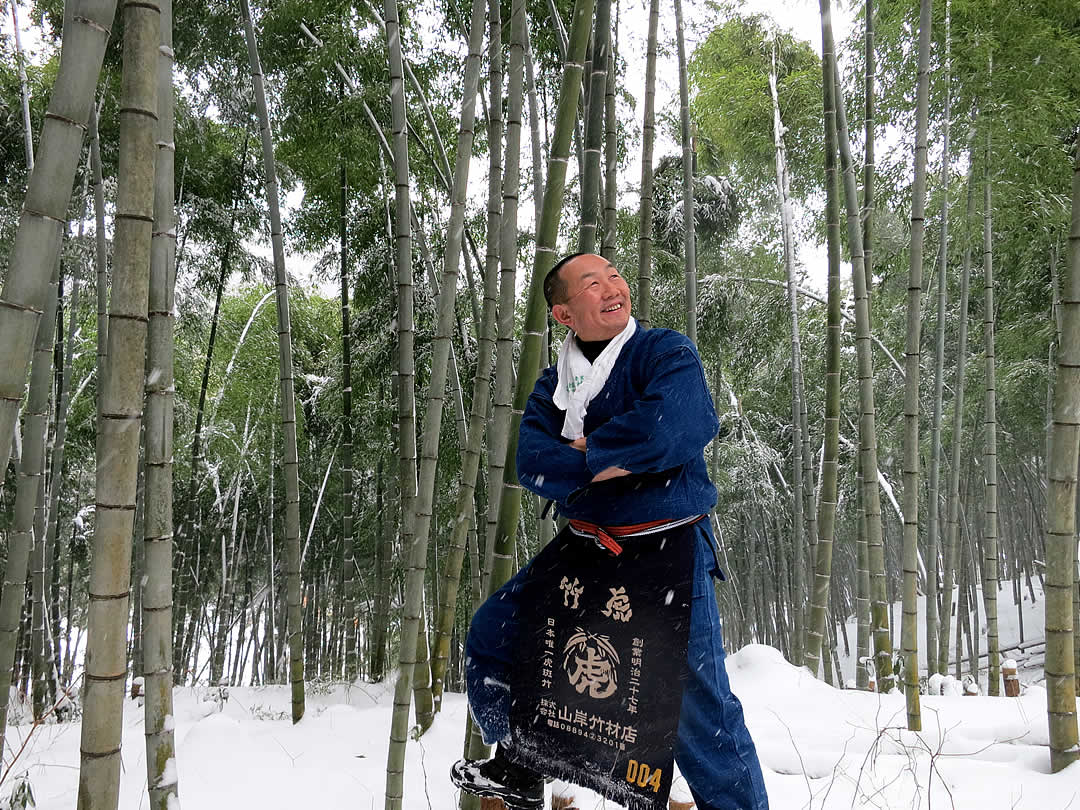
{"x": 615, "y": 435}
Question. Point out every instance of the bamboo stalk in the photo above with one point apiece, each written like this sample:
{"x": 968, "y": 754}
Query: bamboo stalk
{"x": 121, "y": 415}
{"x": 288, "y": 401}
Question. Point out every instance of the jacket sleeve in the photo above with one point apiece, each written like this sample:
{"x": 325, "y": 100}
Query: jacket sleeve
{"x": 667, "y": 427}
{"x": 546, "y": 463}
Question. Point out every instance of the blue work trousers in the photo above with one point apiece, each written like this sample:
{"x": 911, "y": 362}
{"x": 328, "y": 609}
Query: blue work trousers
{"x": 714, "y": 751}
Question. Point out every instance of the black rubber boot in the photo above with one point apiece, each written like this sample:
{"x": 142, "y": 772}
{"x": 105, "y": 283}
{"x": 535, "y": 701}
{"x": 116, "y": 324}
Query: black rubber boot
{"x": 519, "y": 787}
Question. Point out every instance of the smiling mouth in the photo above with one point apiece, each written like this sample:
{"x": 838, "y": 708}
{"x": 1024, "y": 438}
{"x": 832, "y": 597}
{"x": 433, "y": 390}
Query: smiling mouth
{"x": 613, "y": 308}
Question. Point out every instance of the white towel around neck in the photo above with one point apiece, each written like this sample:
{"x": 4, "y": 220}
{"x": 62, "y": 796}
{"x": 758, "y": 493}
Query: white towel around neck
{"x": 580, "y": 381}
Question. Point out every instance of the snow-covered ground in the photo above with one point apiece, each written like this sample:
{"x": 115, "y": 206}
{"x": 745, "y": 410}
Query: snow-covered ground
{"x": 820, "y": 747}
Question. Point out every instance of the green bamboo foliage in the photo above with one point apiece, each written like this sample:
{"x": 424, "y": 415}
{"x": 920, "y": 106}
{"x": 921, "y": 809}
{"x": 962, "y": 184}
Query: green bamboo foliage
{"x": 783, "y": 194}
{"x": 879, "y": 607}
{"x": 288, "y": 399}
{"x": 1061, "y": 509}
{"x": 643, "y": 302}
{"x": 40, "y": 229}
{"x": 189, "y": 529}
{"x": 31, "y": 471}
{"x": 909, "y": 630}
{"x": 826, "y": 514}
{"x": 395, "y": 761}
{"x": 990, "y": 528}
{"x": 952, "y": 519}
{"x": 442, "y": 351}
{"x": 689, "y": 241}
{"x": 157, "y": 587}
{"x": 121, "y": 415}
{"x": 536, "y": 309}
{"x": 594, "y": 128}
{"x": 933, "y": 500}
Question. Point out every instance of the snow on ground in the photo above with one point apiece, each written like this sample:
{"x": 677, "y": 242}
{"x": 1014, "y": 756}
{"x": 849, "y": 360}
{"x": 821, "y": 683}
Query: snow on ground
{"x": 819, "y": 747}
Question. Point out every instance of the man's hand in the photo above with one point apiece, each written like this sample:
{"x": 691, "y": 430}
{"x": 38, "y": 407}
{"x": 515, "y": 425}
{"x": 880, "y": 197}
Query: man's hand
{"x": 610, "y": 472}
{"x": 603, "y": 475}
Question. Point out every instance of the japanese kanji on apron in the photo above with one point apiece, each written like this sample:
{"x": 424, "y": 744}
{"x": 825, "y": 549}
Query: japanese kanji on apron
{"x": 596, "y": 698}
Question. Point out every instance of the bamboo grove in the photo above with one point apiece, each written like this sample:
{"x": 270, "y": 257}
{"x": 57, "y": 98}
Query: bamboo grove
{"x": 204, "y": 488}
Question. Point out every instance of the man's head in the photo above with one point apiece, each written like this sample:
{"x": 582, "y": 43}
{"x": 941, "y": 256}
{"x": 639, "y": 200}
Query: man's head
{"x": 587, "y": 294}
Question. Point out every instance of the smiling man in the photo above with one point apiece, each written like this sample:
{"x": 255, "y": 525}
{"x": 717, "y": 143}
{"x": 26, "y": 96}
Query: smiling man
{"x": 570, "y": 665}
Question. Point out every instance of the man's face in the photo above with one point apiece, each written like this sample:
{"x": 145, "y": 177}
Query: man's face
{"x": 597, "y": 306}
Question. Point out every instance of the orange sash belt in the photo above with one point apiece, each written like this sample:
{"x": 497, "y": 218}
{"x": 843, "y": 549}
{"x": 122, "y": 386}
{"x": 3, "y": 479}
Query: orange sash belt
{"x": 605, "y": 535}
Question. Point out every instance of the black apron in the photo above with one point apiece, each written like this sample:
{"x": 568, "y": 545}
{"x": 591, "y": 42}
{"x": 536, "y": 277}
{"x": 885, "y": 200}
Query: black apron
{"x": 602, "y": 663}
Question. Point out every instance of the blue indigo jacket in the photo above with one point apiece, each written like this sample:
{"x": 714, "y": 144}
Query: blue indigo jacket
{"x": 653, "y": 417}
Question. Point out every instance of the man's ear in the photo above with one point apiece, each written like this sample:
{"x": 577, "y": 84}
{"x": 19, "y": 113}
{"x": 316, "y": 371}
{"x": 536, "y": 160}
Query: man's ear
{"x": 561, "y": 313}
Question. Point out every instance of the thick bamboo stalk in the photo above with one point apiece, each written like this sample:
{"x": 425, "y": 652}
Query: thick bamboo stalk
{"x": 990, "y": 463}
{"x": 1061, "y": 509}
{"x": 867, "y": 417}
{"x": 121, "y": 415}
{"x": 536, "y": 311}
{"x": 31, "y": 472}
{"x": 101, "y": 251}
{"x": 909, "y": 631}
{"x": 347, "y": 497}
{"x": 952, "y": 520}
{"x": 157, "y": 583}
{"x": 499, "y": 421}
{"x": 288, "y": 401}
{"x": 395, "y": 760}
{"x": 471, "y": 451}
{"x": 934, "y": 499}
{"x": 41, "y": 223}
{"x": 783, "y": 187}
{"x": 827, "y": 500}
